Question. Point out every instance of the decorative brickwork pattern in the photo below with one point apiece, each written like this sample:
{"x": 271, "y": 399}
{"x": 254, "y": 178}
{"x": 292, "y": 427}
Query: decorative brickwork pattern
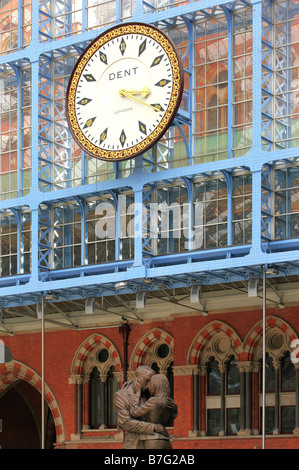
{"x": 223, "y": 338}
{"x": 144, "y": 353}
{"x": 96, "y": 341}
{"x": 277, "y": 329}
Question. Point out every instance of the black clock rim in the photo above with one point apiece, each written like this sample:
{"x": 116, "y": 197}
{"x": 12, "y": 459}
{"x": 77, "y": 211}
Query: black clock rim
{"x": 175, "y": 110}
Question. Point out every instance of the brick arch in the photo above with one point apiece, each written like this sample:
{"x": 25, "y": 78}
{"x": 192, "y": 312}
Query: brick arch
{"x": 88, "y": 345}
{"x": 15, "y": 370}
{"x": 145, "y": 344}
{"x": 255, "y": 336}
{"x": 204, "y": 337}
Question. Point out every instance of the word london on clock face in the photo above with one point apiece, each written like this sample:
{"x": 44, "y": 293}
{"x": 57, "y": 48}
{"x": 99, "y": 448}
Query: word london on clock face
{"x": 124, "y": 92}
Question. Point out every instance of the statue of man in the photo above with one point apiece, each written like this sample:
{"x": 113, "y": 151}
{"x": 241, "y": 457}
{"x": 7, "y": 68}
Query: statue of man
{"x": 123, "y": 400}
{"x": 159, "y": 408}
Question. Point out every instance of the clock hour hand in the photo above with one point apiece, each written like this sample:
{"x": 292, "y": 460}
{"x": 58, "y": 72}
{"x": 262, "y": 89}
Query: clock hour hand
{"x": 144, "y": 92}
{"x": 128, "y": 95}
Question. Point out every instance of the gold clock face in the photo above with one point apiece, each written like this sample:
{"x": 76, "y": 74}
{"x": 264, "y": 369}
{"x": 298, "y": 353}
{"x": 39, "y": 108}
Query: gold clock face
{"x": 124, "y": 92}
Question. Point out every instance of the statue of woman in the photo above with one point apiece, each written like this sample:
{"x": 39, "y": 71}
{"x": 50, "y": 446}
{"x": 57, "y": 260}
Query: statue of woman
{"x": 159, "y": 409}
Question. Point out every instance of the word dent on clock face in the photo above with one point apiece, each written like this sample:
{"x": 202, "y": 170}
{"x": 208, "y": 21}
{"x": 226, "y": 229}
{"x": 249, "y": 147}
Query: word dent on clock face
{"x": 123, "y": 73}
{"x": 124, "y": 94}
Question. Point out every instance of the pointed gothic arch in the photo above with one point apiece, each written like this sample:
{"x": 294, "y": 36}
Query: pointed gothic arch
{"x": 83, "y": 359}
{"x": 16, "y": 370}
{"x": 279, "y": 337}
{"x": 145, "y": 350}
{"x": 222, "y": 338}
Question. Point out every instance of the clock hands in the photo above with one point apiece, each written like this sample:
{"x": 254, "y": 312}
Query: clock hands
{"x": 130, "y": 95}
{"x": 144, "y": 92}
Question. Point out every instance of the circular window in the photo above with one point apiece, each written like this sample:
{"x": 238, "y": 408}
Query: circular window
{"x": 275, "y": 341}
{"x": 103, "y": 355}
{"x": 163, "y": 351}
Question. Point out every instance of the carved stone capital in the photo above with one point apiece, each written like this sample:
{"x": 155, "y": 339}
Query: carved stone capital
{"x": 202, "y": 370}
{"x": 245, "y": 366}
{"x": 119, "y": 376}
{"x": 130, "y": 375}
{"x": 76, "y": 379}
{"x": 185, "y": 370}
{"x": 222, "y": 368}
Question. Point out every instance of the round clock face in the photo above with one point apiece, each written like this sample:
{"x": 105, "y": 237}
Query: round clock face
{"x": 124, "y": 92}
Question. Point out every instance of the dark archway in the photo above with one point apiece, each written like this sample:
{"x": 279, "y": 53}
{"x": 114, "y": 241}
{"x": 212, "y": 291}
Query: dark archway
{"x": 20, "y": 411}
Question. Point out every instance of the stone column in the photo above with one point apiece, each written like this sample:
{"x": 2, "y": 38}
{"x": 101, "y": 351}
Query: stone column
{"x": 242, "y": 398}
{"x": 248, "y": 417}
{"x": 276, "y": 365}
{"x": 85, "y": 402}
{"x": 202, "y": 400}
{"x": 255, "y": 397}
{"x": 222, "y": 368}
{"x": 296, "y": 430}
{"x": 196, "y": 403}
{"x": 104, "y": 400}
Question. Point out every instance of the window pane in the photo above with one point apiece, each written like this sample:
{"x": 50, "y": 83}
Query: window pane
{"x": 95, "y": 399}
{"x": 287, "y": 374}
{"x": 270, "y": 375}
{"x": 213, "y": 422}
{"x": 233, "y": 378}
{"x": 213, "y": 379}
{"x": 233, "y": 420}
{"x": 287, "y": 419}
{"x": 270, "y": 419}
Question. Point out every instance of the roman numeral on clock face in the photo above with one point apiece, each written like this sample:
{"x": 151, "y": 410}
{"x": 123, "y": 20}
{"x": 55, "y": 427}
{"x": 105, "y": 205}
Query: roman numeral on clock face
{"x": 162, "y": 82}
{"x": 103, "y": 135}
{"x": 89, "y": 78}
{"x": 89, "y": 122}
{"x": 122, "y": 138}
{"x": 142, "y": 48}
{"x": 84, "y": 101}
{"x": 103, "y": 58}
{"x": 157, "y": 60}
{"x": 142, "y": 127}
{"x": 158, "y": 107}
{"x": 122, "y": 46}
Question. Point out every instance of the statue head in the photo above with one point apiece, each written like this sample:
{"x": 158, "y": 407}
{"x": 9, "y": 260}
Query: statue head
{"x": 143, "y": 375}
{"x": 159, "y": 385}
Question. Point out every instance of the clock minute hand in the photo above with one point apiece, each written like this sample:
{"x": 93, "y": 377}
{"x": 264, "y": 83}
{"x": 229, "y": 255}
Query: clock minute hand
{"x": 128, "y": 95}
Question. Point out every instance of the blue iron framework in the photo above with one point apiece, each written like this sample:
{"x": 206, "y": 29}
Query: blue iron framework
{"x": 60, "y": 181}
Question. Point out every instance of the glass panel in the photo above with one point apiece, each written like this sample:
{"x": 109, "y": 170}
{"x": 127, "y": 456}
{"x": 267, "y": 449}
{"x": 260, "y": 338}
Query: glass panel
{"x": 213, "y": 427}
{"x": 270, "y": 375}
{"x": 213, "y": 379}
{"x": 287, "y": 374}
{"x": 233, "y": 378}
{"x": 233, "y": 420}
{"x": 269, "y": 419}
{"x": 287, "y": 419}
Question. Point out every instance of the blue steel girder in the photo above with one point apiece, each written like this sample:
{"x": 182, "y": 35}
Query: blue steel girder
{"x": 234, "y": 261}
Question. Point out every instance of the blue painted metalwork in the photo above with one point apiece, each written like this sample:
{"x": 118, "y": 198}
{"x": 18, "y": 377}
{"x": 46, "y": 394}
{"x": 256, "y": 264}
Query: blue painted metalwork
{"x": 56, "y": 169}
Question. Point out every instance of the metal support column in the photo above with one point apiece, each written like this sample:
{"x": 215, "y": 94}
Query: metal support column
{"x": 264, "y": 360}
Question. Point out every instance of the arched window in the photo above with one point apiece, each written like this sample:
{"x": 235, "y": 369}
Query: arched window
{"x": 222, "y": 380}
{"x": 280, "y": 386}
{"x": 102, "y": 387}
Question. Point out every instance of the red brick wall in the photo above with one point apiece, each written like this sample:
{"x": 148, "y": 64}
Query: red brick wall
{"x": 61, "y": 347}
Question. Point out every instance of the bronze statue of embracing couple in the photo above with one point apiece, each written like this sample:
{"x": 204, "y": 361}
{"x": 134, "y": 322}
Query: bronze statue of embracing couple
{"x": 144, "y": 409}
